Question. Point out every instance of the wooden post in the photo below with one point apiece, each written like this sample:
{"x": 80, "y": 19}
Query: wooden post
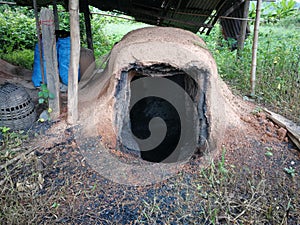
{"x": 55, "y": 12}
{"x": 88, "y": 27}
{"x": 243, "y": 30}
{"x": 254, "y": 48}
{"x": 50, "y": 54}
{"x": 38, "y": 32}
{"x": 74, "y": 62}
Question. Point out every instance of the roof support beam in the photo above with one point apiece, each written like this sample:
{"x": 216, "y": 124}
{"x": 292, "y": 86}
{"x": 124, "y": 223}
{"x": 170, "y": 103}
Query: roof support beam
{"x": 88, "y": 27}
{"x": 74, "y": 62}
{"x": 234, "y": 7}
{"x": 243, "y": 30}
{"x": 153, "y": 14}
{"x": 55, "y": 12}
{"x": 214, "y": 19}
{"x": 254, "y": 48}
{"x": 38, "y": 32}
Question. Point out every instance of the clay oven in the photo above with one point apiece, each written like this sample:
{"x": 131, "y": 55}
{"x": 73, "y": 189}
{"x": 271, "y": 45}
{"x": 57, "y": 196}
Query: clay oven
{"x": 142, "y": 65}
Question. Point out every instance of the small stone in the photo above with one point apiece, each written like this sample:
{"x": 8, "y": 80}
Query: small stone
{"x": 39, "y": 165}
{"x": 262, "y": 115}
{"x": 45, "y": 116}
{"x": 246, "y": 118}
{"x": 281, "y": 133}
{"x": 269, "y": 134}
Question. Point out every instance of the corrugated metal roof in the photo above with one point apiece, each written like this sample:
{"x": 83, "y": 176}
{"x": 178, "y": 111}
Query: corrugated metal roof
{"x": 193, "y": 15}
{"x": 231, "y": 27}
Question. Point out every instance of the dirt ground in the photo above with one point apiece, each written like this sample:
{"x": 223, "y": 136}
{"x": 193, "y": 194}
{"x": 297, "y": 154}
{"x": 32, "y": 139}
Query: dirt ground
{"x": 253, "y": 180}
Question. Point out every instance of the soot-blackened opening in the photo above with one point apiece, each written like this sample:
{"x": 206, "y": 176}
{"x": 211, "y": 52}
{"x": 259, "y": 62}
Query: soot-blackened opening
{"x": 147, "y": 108}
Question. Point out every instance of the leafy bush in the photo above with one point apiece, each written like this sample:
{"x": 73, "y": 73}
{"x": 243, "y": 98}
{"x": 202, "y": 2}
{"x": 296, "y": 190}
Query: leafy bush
{"x": 278, "y": 66}
{"x": 102, "y": 43}
{"x": 274, "y": 11}
{"x": 18, "y": 33}
{"x": 23, "y": 58}
{"x": 17, "y": 29}
{"x": 279, "y": 69}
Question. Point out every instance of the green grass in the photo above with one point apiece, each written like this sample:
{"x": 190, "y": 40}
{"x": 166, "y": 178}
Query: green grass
{"x": 10, "y": 143}
{"x": 122, "y": 28}
{"x": 23, "y": 58}
{"x": 278, "y": 65}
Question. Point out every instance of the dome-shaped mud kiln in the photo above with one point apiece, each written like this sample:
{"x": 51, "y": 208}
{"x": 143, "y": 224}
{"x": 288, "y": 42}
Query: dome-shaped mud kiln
{"x": 159, "y": 90}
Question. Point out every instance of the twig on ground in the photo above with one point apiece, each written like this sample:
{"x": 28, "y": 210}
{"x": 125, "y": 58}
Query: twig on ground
{"x": 17, "y": 158}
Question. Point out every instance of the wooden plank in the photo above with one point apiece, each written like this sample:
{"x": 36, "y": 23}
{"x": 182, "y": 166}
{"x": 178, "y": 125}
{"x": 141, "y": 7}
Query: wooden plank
{"x": 74, "y": 62}
{"x": 50, "y": 54}
{"x": 290, "y": 126}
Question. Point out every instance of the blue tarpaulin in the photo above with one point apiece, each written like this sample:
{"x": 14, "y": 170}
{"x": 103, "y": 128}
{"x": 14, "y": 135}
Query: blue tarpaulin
{"x": 63, "y": 47}
{"x": 64, "y": 50}
{"x": 37, "y": 73}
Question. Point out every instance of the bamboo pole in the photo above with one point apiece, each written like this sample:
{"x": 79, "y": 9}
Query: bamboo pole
{"x": 38, "y": 32}
{"x": 74, "y": 62}
{"x": 254, "y": 48}
{"x": 116, "y": 16}
{"x": 8, "y": 3}
{"x": 243, "y": 30}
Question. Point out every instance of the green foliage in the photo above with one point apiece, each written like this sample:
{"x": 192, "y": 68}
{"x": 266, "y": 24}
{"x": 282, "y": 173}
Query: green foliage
{"x": 18, "y": 33}
{"x": 64, "y": 23}
{"x": 23, "y": 58}
{"x": 64, "y": 19}
{"x": 274, "y": 11}
{"x": 17, "y": 29}
{"x": 44, "y": 94}
{"x": 10, "y": 140}
{"x": 278, "y": 66}
{"x": 292, "y": 22}
{"x": 283, "y": 9}
{"x": 269, "y": 152}
{"x": 291, "y": 171}
{"x": 102, "y": 43}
